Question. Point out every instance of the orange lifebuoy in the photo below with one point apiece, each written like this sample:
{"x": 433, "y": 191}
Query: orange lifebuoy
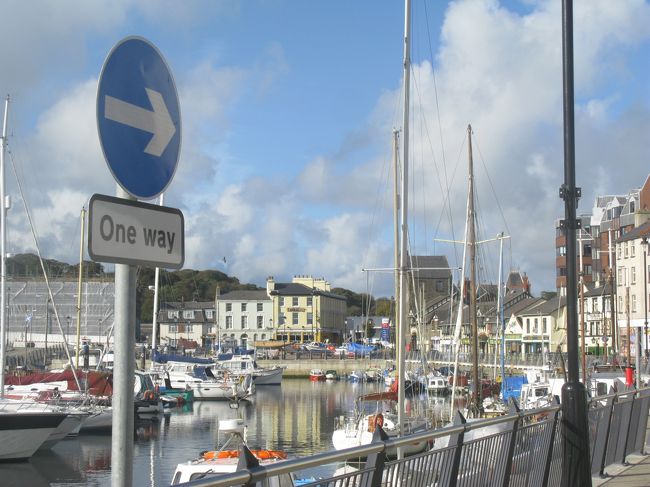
{"x": 379, "y": 420}
{"x": 260, "y": 454}
{"x": 149, "y": 395}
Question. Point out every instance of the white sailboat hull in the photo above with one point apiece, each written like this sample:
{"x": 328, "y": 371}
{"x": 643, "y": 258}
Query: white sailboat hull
{"x": 21, "y": 434}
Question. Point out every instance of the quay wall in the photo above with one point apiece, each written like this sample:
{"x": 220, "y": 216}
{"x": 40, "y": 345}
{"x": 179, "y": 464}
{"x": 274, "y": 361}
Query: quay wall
{"x": 301, "y": 367}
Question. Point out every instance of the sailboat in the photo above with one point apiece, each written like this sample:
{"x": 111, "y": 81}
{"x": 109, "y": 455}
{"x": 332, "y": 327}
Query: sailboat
{"x": 358, "y": 429}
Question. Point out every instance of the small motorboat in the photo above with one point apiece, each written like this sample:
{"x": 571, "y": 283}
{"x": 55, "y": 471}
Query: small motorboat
{"x": 225, "y": 460}
{"x": 331, "y": 375}
{"x": 316, "y": 375}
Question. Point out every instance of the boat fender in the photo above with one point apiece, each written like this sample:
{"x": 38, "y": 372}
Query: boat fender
{"x": 379, "y": 420}
{"x": 241, "y": 379}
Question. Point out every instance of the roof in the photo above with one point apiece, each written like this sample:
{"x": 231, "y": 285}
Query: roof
{"x": 245, "y": 295}
{"x": 551, "y": 306}
{"x": 430, "y": 266}
{"x": 187, "y": 305}
{"x": 638, "y": 232}
{"x": 605, "y": 289}
{"x": 294, "y": 289}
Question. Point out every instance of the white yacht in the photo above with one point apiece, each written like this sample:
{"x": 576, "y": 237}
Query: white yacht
{"x": 246, "y": 365}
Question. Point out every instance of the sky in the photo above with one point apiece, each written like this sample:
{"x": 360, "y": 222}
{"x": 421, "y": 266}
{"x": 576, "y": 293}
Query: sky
{"x": 288, "y": 110}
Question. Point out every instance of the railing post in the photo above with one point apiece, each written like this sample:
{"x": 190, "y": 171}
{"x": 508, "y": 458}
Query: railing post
{"x": 247, "y": 461}
{"x": 510, "y": 451}
{"x": 456, "y": 441}
{"x": 601, "y": 441}
{"x": 375, "y": 461}
{"x": 551, "y": 446}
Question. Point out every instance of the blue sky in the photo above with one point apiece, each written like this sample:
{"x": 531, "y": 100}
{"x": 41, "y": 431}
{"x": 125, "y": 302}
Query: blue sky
{"x": 288, "y": 108}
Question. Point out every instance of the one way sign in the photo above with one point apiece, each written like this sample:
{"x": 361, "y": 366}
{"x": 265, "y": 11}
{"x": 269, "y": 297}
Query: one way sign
{"x": 138, "y": 118}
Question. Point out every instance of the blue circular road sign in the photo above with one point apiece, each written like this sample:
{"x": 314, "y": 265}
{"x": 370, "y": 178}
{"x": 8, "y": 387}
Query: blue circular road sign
{"x": 138, "y": 118}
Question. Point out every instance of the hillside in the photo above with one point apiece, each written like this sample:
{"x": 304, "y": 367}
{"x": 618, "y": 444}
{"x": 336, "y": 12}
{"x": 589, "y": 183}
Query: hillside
{"x": 185, "y": 284}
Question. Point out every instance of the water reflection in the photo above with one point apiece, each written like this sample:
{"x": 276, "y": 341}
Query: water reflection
{"x": 298, "y": 417}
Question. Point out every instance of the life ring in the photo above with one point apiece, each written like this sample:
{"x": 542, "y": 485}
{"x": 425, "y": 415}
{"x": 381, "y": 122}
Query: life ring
{"x": 260, "y": 454}
{"x": 379, "y": 420}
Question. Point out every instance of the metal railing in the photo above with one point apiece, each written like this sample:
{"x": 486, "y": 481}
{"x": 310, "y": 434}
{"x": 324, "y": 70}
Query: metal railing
{"x": 520, "y": 449}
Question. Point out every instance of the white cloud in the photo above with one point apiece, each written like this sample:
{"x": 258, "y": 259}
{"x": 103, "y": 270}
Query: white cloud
{"x": 495, "y": 68}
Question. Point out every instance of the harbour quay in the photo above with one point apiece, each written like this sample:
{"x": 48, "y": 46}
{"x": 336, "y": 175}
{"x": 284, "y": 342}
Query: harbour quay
{"x": 299, "y": 367}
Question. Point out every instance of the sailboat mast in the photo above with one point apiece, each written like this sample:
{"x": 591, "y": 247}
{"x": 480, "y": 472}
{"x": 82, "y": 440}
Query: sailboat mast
{"x": 501, "y": 326}
{"x": 3, "y": 251}
{"x": 472, "y": 276}
{"x": 81, "y": 273}
{"x": 154, "y": 330}
{"x": 396, "y": 215}
{"x": 403, "y": 268}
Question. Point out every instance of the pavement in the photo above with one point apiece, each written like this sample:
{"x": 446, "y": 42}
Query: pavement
{"x": 635, "y": 474}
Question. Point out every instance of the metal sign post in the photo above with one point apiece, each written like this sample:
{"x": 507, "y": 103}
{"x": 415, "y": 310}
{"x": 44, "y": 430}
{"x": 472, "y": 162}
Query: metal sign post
{"x": 139, "y": 126}
{"x": 123, "y": 373}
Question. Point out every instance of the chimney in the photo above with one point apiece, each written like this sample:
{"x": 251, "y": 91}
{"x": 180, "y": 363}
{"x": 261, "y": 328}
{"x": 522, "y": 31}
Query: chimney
{"x": 270, "y": 285}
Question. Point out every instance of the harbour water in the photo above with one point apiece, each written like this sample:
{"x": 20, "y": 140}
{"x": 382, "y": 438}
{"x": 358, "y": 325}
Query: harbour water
{"x": 297, "y": 417}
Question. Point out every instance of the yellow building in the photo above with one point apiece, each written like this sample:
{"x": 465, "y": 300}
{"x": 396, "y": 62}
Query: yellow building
{"x": 306, "y": 310}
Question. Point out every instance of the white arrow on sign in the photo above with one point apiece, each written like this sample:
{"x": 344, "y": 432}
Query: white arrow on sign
{"x": 157, "y": 122}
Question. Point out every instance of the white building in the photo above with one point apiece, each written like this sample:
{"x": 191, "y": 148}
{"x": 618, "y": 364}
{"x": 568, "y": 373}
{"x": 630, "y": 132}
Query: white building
{"x": 632, "y": 286}
{"x": 186, "y": 325}
{"x": 243, "y": 318}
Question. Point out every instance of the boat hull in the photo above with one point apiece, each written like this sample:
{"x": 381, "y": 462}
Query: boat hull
{"x": 21, "y": 434}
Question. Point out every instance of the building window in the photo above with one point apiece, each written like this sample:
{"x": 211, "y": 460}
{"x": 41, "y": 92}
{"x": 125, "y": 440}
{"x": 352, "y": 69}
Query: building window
{"x": 561, "y": 251}
{"x": 310, "y": 301}
{"x": 587, "y": 250}
{"x": 625, "y": 250}
{"x": 228, "y": 322}
{"x": 260, "y": 321}
{"x": 535, "y": 326}
{"x": 310, "y": 318}
{"x": 586, "y": 270}
{"x": 263, "y": 336}
{"x": 244, "y": 322}
{"x": 632, "y": 275}
{"x": 294, "y": 301}
{"x": 260, "y": 306}
{"x": 633, "y": 303}
{"x": 228, "y": 306}
{"x": 618, "y": 251}
{"x": 243, "y": 306}
{"x": 172, "y": 314}
{"x": 281, "y": 319}
{"x": 594, "y": 305}
{"x": 188, "y": 314}
{"x": 294, "y": 320}
{"x": 632, "y": 249}
{"x": 188, "y": 328}
{"x": 281, "y": 300}
{"x": 620, "y": 305}
{"x": 209, "y": 314}
{"x": 528, "y": 326}
{"x": 210, "y": 329}
{"x": 544, "y": 325}
{"x": 561, "y": 271}
{"x": 619, "y": 277}
{"x": 173, "y": 328}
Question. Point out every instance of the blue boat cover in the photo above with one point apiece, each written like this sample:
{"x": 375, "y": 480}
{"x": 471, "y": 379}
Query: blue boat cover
{"x": 163, "y": 358}
{"x": 511, "y": 387}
